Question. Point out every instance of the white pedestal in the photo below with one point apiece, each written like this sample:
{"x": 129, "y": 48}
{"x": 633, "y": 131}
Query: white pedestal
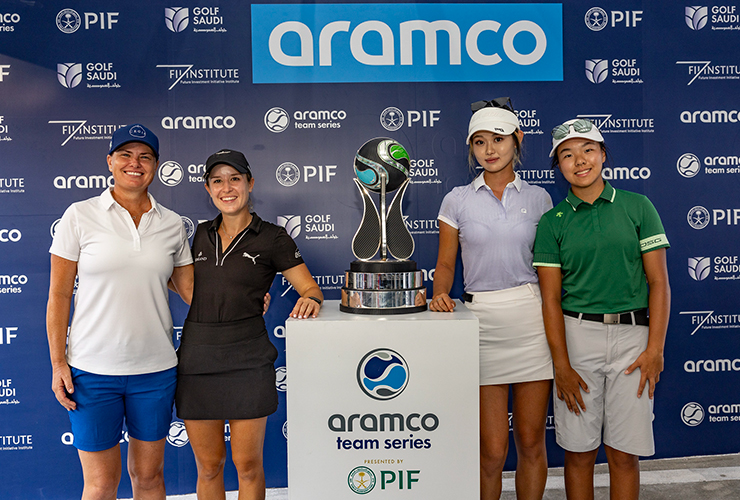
{"x": 383, "y": 405}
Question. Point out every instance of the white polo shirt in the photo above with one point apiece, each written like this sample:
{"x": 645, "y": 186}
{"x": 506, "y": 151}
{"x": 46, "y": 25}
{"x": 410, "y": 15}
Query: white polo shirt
{"x": 121, "y": 323}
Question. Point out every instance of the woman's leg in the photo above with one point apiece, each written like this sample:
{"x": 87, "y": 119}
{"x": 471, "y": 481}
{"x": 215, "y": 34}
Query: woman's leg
{"x": 146, "y": 469}
{"x": 207, "y": 439}
{"x": 624, "y": 474}
{"x": 247, "y": 441}
{"x": 579, "y": 474}
{"x": 530, "y": 415}
{"x": 101, "y": 471}
{"x": 494, "y": 438}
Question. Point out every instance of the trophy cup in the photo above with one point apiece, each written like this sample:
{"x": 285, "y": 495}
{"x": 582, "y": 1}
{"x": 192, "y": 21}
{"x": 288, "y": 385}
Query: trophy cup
{"x": 382, "y": 286}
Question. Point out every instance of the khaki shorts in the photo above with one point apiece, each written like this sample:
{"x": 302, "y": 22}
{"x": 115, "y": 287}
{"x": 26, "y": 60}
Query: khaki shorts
{"x": 614, "y": 414}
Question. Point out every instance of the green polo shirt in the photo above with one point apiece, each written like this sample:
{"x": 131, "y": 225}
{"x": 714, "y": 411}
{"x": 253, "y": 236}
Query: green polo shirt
{"x": 599, "y": 249}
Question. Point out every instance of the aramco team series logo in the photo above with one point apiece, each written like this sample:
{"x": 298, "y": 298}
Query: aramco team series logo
{"x": 177, "y": 435}
{"x": 277, "y": 120}
{"x": 692, "y": 414}
{"x": 382, "y": 374}
{"x": 170, "y": 173}
{"x": 688, "y": 165}
{"x": 361, "y": 480}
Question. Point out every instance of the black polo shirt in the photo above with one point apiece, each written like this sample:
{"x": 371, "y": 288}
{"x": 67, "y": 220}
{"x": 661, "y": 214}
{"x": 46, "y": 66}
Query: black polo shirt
{"x": 231, "y": 285}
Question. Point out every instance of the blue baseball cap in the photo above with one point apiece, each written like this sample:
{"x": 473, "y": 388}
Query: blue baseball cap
{"x": 134, "y": 133}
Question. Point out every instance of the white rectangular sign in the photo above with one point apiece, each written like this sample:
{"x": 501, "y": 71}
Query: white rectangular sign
{"x": 383, "y": 406}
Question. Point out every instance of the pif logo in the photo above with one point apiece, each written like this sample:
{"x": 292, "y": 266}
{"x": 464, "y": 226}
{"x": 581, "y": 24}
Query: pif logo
{"x": 382, "y": 374}
{"x": 361, "y": 480}
{"x": 397, "y": 42}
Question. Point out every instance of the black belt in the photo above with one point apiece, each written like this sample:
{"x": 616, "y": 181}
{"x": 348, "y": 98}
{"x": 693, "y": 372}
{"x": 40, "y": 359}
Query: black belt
{"x": 466, "y": 297}
{"x": 625, "y": 318}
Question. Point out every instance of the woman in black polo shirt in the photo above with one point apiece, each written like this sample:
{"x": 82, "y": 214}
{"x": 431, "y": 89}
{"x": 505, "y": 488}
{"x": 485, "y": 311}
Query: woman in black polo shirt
{"x": 226, "y": 367}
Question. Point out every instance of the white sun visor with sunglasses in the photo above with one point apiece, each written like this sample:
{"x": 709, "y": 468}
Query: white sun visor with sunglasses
{"x": 497, "y": 120}
{"x": 579, "y": 128}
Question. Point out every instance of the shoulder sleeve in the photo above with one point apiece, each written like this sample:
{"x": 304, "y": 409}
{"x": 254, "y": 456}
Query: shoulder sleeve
{"x": 66, "y": 242}
{"x": 545, "y": 201}
{"x": 285, "y": 251}
{"x": 183, "y": 255}
{"x": 449, "y": 211}
{"x": 546, "y": 247}
{"x": 651, "y": 232}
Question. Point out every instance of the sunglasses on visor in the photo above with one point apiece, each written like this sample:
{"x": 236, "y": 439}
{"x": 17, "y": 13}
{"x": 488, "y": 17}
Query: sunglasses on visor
{"x": 500, "y": 102}
{"x": 580, "y": 126}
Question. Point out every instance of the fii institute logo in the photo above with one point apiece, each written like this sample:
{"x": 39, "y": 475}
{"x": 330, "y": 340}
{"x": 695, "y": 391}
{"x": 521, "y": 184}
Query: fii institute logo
{"x": 277, "y": 120}
{"x": 696, "y": 17}
{"x": 688, "y": 165}
{"x": 361, "y": 480}
{"x": 69, "y": 74}
{"x": 399, "y": 42}
{"x": 692, "y": 414}
{"x": 291, "y": 223}
{"x": 699, "y": 268}
{"x": 698, "y": 217}
{"x": 382, "y": 374}
{"x": 176, "y": 18}
{"x": 170, "y": 173}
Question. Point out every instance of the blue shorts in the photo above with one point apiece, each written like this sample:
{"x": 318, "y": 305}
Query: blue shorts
{"x": 104, "y": 400}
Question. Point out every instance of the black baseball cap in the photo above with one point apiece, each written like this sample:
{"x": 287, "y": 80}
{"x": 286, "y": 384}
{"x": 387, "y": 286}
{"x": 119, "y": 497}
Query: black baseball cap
{"x": 229, "y": 157}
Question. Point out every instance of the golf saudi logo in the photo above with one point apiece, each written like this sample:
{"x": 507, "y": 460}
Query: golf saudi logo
{"x": 361, "y": 480}
{"x": 382, "y": 374}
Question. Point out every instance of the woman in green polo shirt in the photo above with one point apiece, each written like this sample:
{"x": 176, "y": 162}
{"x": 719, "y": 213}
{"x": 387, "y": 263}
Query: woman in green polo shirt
{"x": 600, "y": 256}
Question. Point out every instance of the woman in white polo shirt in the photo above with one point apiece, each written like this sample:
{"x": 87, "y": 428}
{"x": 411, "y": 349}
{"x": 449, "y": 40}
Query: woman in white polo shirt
{"x": 119, "y": 363}
{"x": 601, "y": 258}
{"x": 494, "y": 220}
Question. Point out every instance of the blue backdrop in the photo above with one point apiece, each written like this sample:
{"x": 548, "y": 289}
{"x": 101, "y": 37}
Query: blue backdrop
{"x": 299, "y": 86}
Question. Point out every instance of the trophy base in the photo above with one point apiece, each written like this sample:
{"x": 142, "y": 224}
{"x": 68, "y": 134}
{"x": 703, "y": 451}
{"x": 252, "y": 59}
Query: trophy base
{"x": 383, "y": 287}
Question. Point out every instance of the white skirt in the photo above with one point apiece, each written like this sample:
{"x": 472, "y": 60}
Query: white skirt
{"x": 513, "y": 345}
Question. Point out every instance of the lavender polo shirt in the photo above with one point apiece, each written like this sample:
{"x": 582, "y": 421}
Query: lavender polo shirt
{"x": 496, "y": 236}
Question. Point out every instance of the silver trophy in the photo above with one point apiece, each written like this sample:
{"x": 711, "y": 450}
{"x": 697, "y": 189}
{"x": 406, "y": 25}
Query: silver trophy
{"x": 382, "y": 286}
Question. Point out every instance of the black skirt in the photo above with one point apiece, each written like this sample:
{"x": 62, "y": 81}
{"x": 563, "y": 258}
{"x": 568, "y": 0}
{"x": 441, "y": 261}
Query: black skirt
{"x": 226, "y": 371}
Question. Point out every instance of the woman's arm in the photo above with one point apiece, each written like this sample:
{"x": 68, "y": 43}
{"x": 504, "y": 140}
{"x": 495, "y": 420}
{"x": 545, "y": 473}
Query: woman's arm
{"x": 301, "y": 279}
{"x": 181, "y": 282}
{"x": 568, "y": 382}
{"x": 61, "y": 288}
{"x": 444, "y": 273}
{"x": 650, "y": 361}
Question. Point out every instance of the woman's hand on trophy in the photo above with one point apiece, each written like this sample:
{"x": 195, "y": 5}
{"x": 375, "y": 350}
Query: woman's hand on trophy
{"x": 442, "y": 303}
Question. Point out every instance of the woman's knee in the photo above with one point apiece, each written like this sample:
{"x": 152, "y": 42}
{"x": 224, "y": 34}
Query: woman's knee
{"x": 493, "y": 456}
{"x": 210, "y": 467}
{"x": 146, "y": 478}
{"x": 249, "y": 467}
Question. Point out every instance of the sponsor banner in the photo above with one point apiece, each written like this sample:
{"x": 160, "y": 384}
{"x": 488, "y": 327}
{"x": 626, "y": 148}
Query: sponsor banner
{"x": 302, "y": 43}
{"x": 373, "y": 419}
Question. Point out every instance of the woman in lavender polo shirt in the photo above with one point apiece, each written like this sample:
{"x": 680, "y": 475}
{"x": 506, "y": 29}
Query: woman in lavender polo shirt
{"x": 494, "y": 220}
